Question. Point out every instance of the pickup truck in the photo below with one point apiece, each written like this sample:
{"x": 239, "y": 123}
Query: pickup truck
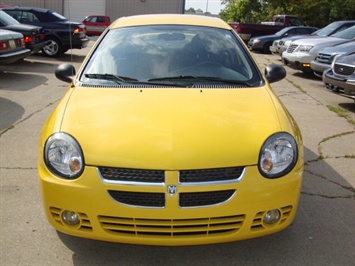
{"x": 248, "y": 30}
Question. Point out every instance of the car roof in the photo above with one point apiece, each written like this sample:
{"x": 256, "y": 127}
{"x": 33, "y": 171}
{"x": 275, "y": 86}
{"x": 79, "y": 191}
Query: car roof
{"x": 169, "y": 19}
{"x": 26, "y": 8}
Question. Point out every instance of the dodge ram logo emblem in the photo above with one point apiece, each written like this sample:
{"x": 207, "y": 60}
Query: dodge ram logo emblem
{"x": 172, "y": 189}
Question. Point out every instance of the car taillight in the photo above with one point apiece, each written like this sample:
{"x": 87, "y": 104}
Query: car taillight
{"x": 4, "y": 45}
{"x": 78, "y": 30}
{"x": 21, "y": 42}
{"x": 238, "y": 28}
{"x": 28, "y": 39}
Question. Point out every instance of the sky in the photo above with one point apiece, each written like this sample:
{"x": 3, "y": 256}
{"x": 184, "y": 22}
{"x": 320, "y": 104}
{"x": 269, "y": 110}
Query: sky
{"x": 213, "y": 6}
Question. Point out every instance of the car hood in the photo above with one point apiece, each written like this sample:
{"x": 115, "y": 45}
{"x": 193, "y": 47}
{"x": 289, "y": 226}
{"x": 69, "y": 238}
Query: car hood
{"x": 170, "y": 128}
{"x": 324, "y": 41}
{"x": 344, "y": 48}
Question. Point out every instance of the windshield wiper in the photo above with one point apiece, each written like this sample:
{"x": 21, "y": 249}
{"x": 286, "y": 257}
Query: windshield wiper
{"x": 115, "y": 78}
{"x": 122, "y": 79}
{"x": 203, "y": 79}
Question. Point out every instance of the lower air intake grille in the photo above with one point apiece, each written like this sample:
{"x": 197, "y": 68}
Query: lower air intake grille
{"x": 171, "y": 228}
{"x": 258, "y": 224}
{"x": 84, "y": 225}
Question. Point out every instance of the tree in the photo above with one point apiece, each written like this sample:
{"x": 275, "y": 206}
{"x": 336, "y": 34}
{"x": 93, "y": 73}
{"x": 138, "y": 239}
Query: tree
{"x": 315, "y": 13}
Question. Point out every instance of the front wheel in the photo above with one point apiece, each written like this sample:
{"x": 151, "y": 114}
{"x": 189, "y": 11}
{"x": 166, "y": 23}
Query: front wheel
{"x": 53, "y": 48}
{"x": 266, "y": 48}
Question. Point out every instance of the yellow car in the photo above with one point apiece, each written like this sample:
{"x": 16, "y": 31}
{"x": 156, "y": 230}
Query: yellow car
{"x": 169, "y": 134}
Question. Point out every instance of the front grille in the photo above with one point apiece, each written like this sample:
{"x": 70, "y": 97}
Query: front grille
{"x": 324, "y": 58}
{"x": 132, "y": 175}
{"x": 210, "y": 175}
{"x": 291, "y": 48}
{"x": 141, "y": 199}
{"x": 157, "y": 200}
{"x": 124, "y": 226}
{"x": 139, "y": 195}
{"x": 204, "y": 198}
{"x": 343, "y": 70}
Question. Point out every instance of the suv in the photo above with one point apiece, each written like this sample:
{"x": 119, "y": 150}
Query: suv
{"x": 33, "y": 36}
{"x": 61, "y": 34}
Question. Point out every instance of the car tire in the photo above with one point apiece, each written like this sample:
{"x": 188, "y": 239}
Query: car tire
{"x": 53, "y": 47}
{"x": 266, "y": 48}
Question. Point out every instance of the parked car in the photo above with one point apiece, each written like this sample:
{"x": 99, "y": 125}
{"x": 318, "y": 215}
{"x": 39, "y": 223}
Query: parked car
{"x": 162, "y": 139}
{"x": 340, "y": 77}
{"x": 33, "y": 35}
{"x": 301, "y": 52}
{"x": 96, "y": 24}
{"x": 12, "y": 47}
{"x": 263, "y": 43}
{"x": 326, "y": 56}
{"x": 279, "y": 46}
{"x": 249, "y": 30}
{"x": 61, "y": 34}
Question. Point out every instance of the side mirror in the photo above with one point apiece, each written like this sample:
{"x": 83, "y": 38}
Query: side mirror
{"x": 65, "y": 72}
{"x": 274, "y": 73}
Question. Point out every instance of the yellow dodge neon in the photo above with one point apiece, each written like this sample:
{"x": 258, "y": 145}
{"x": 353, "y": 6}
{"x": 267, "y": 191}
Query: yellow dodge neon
{"x": 169, "y": 134}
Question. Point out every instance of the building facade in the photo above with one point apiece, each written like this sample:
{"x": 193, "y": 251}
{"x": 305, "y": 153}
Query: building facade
{"x": 77, "y": 10}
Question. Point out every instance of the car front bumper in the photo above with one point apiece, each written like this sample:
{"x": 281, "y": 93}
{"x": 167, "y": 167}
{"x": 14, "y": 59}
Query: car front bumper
{"x": 318, "y": 68}
{"x": 274, "y": 49}
{"x": 334, "y": 82}
{"x": 104, "y": 218}
{"x": 299, "y": 61}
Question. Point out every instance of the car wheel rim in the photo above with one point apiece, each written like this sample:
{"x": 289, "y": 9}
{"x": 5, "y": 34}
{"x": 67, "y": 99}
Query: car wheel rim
{"x": 51, "y": 48}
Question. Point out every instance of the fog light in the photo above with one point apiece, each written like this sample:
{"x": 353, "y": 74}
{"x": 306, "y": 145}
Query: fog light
{"x": 271, "y": 217}
{"x": 70, "y": 217}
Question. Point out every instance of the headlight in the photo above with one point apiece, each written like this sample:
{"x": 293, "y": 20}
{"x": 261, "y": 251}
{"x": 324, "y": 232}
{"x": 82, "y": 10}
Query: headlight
{"x": 305, "y": 48}
{"x": 278, "y": 155}
{"x": 256, "y": 41}
{"x": 63, "y": 156}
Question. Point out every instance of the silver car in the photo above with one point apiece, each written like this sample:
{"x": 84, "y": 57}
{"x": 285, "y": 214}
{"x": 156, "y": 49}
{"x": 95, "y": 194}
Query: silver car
{"x": 341, "y": 76}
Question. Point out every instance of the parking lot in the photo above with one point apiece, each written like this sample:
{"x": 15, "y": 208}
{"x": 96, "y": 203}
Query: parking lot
{"x": 323, "y": 232}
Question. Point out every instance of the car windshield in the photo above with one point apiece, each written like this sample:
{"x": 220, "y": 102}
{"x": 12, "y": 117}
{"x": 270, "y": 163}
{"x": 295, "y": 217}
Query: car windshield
{"x": 178, "y": 55}
{"x": 58, "y": 16}
{"x": 327, "y": 30}
{"x": 282, "y": 32}
{"x": 6, "y": 19}
{"x": 349, "y": 33}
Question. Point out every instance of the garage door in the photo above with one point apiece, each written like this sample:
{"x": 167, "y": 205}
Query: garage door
{"x": 77, "y": 10}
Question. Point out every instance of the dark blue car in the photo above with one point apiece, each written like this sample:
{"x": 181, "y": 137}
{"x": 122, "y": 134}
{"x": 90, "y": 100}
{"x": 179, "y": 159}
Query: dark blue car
{"x": 263, "y": 43}
{"x": 61, "y": 34}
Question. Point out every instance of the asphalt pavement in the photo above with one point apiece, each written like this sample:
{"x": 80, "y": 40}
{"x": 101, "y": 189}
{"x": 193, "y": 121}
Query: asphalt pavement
{"x": 323, "y": 232}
